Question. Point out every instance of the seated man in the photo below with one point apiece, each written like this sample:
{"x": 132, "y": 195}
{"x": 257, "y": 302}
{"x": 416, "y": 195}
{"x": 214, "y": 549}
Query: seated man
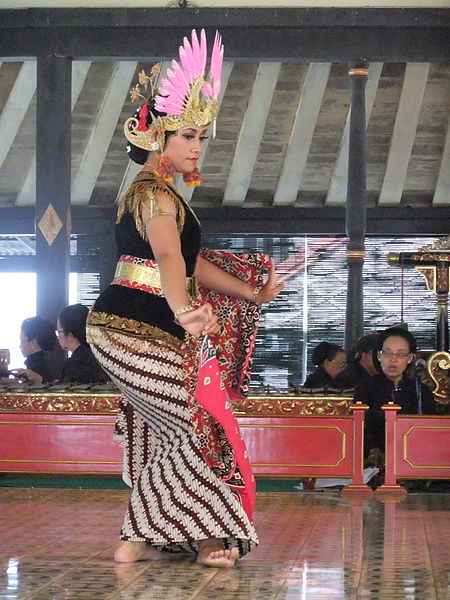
{"x": 361, "y": 364}
{"x": 396, "y": 350}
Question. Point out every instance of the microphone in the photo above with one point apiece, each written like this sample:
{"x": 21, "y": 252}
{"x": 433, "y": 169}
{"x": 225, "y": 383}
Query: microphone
{"x": 420, "y": 366}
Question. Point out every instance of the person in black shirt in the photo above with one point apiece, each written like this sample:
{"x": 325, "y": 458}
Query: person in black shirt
{"x": 396, "y": 350}
{"x": 82, "y": 366}
{"x": 361, "y": 364}
{"x": 329, "y": 360}
{"x": 36, "y": 336}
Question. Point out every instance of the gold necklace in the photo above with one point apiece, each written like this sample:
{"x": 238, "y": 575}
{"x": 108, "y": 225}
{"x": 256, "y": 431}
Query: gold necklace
{"x": 191, "y": 210}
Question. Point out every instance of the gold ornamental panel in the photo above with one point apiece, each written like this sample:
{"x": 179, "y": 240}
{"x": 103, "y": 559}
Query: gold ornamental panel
{"x": 50, "y": 224}
{"x": 284, "y": 405}
{"x": 438, "y": 365}
{"x": 60, "y": 402}
{"x": 276, "y": 405}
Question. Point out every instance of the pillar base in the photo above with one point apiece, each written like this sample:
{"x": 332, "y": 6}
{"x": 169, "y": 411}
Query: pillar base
{"x": 390, "y": 490}
{"x": 357, "y": 488}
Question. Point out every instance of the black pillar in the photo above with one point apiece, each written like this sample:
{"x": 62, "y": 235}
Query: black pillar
{"x": 53, "y": 153}
{"x": 442, "y": 286}
{"x": 355, "y": 214}
{"x": 107, "y": 258}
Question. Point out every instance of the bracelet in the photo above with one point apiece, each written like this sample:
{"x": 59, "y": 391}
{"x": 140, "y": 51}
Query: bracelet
{"x": 255, "y": 294}
{"x": 180, "y": 311}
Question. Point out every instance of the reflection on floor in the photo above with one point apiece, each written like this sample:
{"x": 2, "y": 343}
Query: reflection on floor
{"x": 57, "y": 545}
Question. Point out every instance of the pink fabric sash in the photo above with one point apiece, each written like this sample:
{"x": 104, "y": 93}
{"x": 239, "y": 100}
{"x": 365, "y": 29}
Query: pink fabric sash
{"x": 212, "y": 395}
{"x": 219, "y": 369}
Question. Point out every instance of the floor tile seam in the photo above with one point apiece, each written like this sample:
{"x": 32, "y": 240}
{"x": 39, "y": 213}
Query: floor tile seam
{"x": 206, "y": 582}
{"x": 61, "y": 576}
{"x": 364, "y": 564}
{"x": 43, "y": 546}
{"x": 116, "y": 594}
{"x": 318, "y": 516}
{"x": 430, "y": 560}
{"x": 82, "y": 561}
{"x": 29, "y": 554}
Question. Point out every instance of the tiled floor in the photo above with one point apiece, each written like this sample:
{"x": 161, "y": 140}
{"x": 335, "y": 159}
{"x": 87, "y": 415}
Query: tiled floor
{"x": 58, "y": 544}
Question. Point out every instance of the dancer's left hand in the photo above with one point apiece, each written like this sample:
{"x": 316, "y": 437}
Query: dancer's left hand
{"x": 271, "y": 288}
{"x": 200, "y": 321}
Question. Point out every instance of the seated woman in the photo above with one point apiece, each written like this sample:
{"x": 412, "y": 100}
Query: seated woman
{"x": 36, "y": 336}
{"x": 329, "y": 360}
{"x": 396, "y": 350}
{"x": 81, "y": 367}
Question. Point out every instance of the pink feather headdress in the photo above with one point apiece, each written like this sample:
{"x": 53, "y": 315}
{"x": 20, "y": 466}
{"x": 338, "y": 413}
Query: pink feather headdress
{"x": 185, "y": 94}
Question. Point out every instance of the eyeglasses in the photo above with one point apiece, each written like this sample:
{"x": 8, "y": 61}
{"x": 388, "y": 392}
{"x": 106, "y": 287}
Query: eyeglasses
{"x": 399, "y": 355}
{"x": 59, "y": 331}
{"x": 339, "y": 364}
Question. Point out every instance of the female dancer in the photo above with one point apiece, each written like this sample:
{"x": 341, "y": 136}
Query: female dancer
{"x": 192, "y": 489}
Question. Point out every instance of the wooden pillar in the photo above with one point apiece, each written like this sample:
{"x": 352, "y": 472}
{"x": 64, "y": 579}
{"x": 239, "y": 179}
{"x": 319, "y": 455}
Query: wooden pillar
{"x": 355, "y": 214}
{"x": 390, "y": 485}
{"x": 107, "y": 258}
{"x": 53, "y": 153}
{"x": 442, "y": 288}
{"x": 357, "y": 485}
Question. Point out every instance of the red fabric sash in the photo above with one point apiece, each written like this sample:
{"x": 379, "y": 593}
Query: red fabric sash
{"x": 219, "y": 369}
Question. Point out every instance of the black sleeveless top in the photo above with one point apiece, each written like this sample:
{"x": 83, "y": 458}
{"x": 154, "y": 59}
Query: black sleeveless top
{"x": 131, "y": 239}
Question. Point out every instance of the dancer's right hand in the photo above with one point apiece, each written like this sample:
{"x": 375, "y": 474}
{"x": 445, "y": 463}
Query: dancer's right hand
{"x": 200, "y": 321}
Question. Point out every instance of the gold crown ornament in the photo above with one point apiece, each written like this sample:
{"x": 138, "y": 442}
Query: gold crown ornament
{"x": 185, "y": 95}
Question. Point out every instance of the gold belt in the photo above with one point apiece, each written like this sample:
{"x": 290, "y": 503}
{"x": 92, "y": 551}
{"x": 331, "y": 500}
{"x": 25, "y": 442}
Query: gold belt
{"x": 145, "y": 277}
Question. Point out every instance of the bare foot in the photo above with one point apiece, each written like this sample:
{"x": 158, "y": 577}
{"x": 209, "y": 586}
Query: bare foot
{"x": 128, "y": 552}
{"x": 211, "y": 553}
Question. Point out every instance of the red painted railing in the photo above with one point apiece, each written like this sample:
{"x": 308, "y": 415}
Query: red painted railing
{"x": 417, "y": 447}
{"x": 279, "y": 446}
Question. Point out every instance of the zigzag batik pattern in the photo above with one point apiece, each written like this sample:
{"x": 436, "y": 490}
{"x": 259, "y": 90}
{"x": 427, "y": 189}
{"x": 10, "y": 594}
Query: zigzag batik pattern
{"x": 176, "y": 498}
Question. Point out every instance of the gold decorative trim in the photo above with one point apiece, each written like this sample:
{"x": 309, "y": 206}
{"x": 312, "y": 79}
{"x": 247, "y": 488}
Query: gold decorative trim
{"x": 253, "y": 406}
{"x": 127, "y": 327}
{"x": 405, "y": 449}
{"x": 136, "y": 273}
{"x": 62, "y": 403}
{"x": 393, "y": 258}
{"x": 431, "y": 257}
{"x": 58, "y": 423}
{"x": 441, "y": 244}
{"x": 291, "y": 406}
{"x": 269, "y": 426}
{"x": 438, "y": 366}
{"x": 358, "y": 72}
{"x": 429, "y": 274}
{"x": 143, "y": 189}
{"x": 50, "y": 224}
{"x": 355, "y": 254}
{"x": 61, "y": 462}
{"x": 131, "y": 273}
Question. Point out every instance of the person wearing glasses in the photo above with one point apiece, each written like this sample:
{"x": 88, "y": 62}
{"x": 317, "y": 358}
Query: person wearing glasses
{"x": 396, "y": 352}
{"x": 81, "y": 366}
{"x": 329, "y": 360}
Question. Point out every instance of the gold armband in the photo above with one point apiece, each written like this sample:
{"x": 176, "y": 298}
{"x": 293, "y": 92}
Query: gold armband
{"x": 183, "y": 309}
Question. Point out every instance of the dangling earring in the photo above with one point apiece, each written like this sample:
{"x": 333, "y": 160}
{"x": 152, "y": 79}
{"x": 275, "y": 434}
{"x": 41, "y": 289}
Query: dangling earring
{"x": 165, "y": 169}
{"x": 154, "y": 146}
{"x": 193, "y": 178}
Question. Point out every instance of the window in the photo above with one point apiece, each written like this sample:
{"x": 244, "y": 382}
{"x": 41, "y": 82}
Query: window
{"x": 312, "y": 306}
{"x": 18, "y": 301}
